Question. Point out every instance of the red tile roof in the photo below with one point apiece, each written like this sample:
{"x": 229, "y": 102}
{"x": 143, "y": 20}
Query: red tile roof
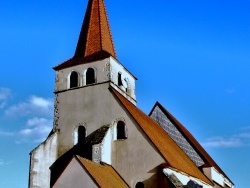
{"x": 192, "y": 141}
{"x": 95, "y": 37}
{"x": 103, "y": 174}
{"x": 170, "y": 151}
{"x": 83, "y": 60}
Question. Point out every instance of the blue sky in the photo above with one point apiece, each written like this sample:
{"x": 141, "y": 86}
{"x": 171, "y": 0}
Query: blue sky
{"x": 191, "y": 56}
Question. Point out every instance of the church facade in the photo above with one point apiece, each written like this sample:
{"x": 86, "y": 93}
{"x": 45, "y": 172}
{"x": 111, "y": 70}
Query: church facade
{"x": 101, "y": 139}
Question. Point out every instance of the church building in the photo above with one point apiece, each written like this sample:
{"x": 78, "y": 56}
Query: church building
{"x": 100, "y": 138}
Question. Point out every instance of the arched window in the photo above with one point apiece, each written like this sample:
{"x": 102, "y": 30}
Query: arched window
{"x": 139, "y": 185}
{"x": 119, "y": 79}
{"x": 81, "y": 134}
{"x": 73, "y": 79}
{"x": 121, "y": 130}
{"x": 90, "y": 76}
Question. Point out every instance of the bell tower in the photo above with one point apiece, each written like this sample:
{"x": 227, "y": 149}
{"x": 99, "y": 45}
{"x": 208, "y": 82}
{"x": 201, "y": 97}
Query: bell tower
{"x": 82, "y": 97}
{"x": 95, "y": 59}
{"x": 82, "y": 81}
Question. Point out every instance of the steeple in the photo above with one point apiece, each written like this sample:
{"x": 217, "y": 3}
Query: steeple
{"x": 95, "y": 34}
{"x": 95, "y": 40}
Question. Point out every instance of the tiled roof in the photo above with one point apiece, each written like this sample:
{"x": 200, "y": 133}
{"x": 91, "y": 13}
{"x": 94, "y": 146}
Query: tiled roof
{"x": 95, "y": 38}
{"x": 103, "y": 174}
{"x": 195, "y": 144}
{"x": 83, "y": 60}
{"x": 170, "y": 151}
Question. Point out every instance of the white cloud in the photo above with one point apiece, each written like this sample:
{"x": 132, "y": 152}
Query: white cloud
{"x": 222, "y": 142}
{"x": 33, "y": 106}
{"x": 236, "y": 140}
{"x": 36, "y": 129}
{"x": 3, "y": 163}
{"x": 6, "y": 133}
{"x": 37, "y": 111}
{"x": 245, "y": 135}
{"x": 5, "y": 93}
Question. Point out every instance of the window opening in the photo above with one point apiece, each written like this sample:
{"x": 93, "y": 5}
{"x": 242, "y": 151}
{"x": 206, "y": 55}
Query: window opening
{"x": 119, "y": 79}
{"x": 90, "y": 76}
{"x": 81, "y": 134}
{"x": 121, "y": 130}
{"x": 139, "y": 185}
{"x": 73, "y": 79}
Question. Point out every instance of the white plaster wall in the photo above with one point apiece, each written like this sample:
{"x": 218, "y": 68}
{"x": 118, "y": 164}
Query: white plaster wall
{"x": 185, "y": 178}
{"x": 101, "y": 68}
{"x": 115, "y": 68}
{"x": 42, "y": 158}
{"x": 106, "y": 148}
{"x": 106, "y": 70}
{"x": 214, "y": 175}
{"x": 92, "y": 105}
{"x": 135, "y": 158}
{"x": 74, "y": 176}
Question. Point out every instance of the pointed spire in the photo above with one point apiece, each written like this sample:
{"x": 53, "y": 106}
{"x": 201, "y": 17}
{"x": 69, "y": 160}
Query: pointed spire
{"x": 95, "y": 40}
{"x": 95, "y": 34}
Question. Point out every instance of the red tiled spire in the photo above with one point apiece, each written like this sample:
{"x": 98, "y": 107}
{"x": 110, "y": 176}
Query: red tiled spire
{"x": 95, "y": 34}
{"x": 95, "y": 40}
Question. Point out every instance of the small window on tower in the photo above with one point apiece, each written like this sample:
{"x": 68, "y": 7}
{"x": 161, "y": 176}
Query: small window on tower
{"x": 121, "y": 130}
{"x": 119, "y": 79}
{"x": 73, "y": 79}
{"x": 81, "y": 134}
{"x": 90, "y": 76}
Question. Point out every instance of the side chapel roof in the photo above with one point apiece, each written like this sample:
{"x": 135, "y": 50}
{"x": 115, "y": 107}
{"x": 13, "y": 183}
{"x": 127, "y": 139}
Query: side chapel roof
{"x": 190, "y": 138}
{"x": 95, "y": 40}
{"x": 103, "y": 174}
{"x": 170, "y": 151}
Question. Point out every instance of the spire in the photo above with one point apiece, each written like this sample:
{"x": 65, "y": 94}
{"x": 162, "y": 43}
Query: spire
{"x": 95, "y": 34}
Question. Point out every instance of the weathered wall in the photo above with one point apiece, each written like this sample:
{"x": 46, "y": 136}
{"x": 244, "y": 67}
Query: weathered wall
{"x": 106, "y": 70}
{"x": 74, "y": 176}
{"x": 93, "y": 106}
{"x": 41, "y": 158}
{"x": 135, "y": 158}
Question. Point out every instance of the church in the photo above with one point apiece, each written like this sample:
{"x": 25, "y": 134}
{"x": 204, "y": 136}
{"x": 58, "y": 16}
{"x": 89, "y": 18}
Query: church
{"x": 100, "y": 138}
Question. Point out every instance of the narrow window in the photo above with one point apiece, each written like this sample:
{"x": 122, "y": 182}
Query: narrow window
{"x": 121, "y": 130}
{"x": 139, "y": 185}
{"x": 90, "y": 76}
{"x": 119, "y": 79}
{"x": 73, "y": 79}
{"x": 81, "y": 134}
